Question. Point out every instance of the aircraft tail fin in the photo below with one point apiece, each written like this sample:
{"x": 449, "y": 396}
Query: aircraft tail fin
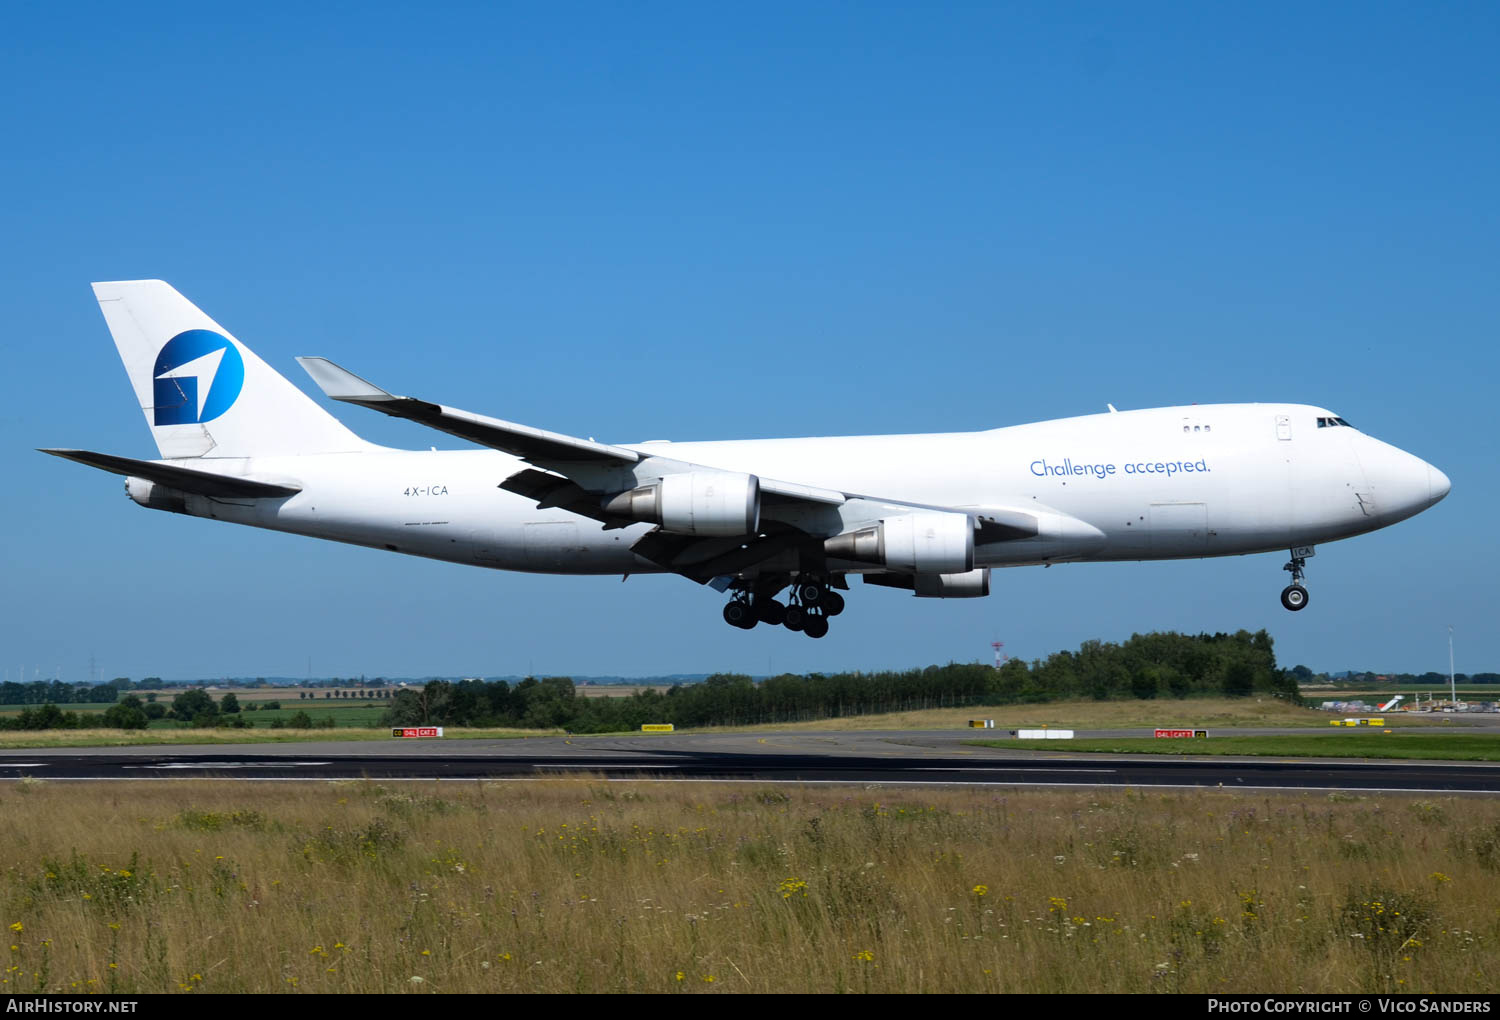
{"x": 203, "y": 392}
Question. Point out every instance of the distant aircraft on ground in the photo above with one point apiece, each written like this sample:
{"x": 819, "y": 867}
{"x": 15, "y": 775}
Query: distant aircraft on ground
{"x": 931, "y": 514}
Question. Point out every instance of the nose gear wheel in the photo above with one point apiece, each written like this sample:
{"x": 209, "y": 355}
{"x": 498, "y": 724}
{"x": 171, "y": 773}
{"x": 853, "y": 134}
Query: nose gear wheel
{"x": 1294, "y": 596}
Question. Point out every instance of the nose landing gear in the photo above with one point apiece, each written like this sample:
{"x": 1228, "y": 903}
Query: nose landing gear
{"x": 1294, "y": 595}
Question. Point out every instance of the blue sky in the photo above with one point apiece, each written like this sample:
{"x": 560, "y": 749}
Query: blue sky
{"x": 691, "y": 221}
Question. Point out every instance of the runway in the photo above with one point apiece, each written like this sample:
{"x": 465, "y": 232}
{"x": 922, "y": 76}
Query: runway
{"x": 869, "y": 758}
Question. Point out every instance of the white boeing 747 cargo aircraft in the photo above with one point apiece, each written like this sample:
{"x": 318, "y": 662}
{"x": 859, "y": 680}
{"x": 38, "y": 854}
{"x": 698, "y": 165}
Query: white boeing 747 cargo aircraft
{"x": 931, "y": 514}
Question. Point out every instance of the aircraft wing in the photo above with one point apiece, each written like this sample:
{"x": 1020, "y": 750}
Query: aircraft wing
{"x": 522, "y": 441}
{"x": 573, "y": 474}
{"x": 564, "y": 455}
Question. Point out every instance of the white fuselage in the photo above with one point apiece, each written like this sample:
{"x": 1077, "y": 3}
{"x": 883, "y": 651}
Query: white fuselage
{"x": 1209, "y": 480}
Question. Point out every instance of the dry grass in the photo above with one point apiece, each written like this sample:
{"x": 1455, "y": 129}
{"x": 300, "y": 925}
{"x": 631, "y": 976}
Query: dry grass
{"x": 585, "y": 886}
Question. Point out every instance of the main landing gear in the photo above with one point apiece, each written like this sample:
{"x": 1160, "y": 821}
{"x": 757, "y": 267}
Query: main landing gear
{"x": 807, "y": 609}
{"x": 1294, "y": 595}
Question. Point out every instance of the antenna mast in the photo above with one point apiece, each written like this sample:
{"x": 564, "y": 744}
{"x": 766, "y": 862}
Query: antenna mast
{"x": 1452, "y": 686}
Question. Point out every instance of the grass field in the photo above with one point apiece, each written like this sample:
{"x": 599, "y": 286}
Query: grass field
{"x": 285, "y": 695}
{"x": 1429, "y": 746}
{"x": 1191, "y": 713}
{"x": 20, "y": 739}
{"x": 344, "y": 713}
{"x": 87, "y": 706}
{"x": 357, "y": 721}
{"x": 584, "y": 886}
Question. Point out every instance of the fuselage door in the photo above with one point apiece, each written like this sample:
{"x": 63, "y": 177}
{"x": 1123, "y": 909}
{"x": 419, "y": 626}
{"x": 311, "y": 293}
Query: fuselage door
{"x": 551, "y": 545}
{"x": 1283, "y": 426}
{"x": 1179, "y": 529}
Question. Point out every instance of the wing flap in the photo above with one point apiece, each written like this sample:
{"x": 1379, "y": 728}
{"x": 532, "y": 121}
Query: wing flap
{"x": 550, "y": 490}
{"x": 795, "y": 492}
{"x": 703, "y": 559}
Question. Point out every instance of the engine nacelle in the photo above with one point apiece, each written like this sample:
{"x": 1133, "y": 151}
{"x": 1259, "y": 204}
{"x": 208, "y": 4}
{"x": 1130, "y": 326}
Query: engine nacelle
{"x": 925, "y": 542}
{"x": 155, "y": 496}
{"x": 971, "y": 584}
{"x": 723, "y": 503}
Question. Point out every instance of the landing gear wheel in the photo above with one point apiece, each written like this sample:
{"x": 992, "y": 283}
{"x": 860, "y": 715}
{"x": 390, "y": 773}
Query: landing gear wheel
{"x": 795, "y": 617}
{"x": 833, "y": 603}
{"x": 815, "y": 626}
{"x": 810, "y": 594}
{"x": 770, "y": 612}
{"x": 738, "y": 614}
{"x": 1294, "y": 596}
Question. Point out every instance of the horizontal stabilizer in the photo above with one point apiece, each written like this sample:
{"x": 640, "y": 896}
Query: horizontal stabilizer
{"x": 203, "y": 483}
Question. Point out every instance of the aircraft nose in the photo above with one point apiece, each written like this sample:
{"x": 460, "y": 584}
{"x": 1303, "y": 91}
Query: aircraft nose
{"x": 1437, "y": 484}
{"x": 1403, "y": 484}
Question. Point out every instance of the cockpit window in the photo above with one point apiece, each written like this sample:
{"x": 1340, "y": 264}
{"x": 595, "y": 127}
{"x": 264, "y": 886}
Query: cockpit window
{"x": 1328, "y": 423}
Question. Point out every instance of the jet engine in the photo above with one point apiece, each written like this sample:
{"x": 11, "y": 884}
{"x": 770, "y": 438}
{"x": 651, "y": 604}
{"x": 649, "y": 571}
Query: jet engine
{"x": 695, "y": 503}
{"x": 923, "y": 542}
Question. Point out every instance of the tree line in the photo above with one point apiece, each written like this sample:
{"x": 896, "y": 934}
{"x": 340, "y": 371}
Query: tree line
{"x": 55, "y": 692}
{"x": 194, "y": 707}
{"x": 1358, "y": 677}
{"x": 1167, "y": 665}
{"x": 1146, "y": 666}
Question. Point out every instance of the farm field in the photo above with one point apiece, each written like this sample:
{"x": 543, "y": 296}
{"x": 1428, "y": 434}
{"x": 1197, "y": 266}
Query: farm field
{"x": 618, "y": 690}
{"x": 583, "y": 886}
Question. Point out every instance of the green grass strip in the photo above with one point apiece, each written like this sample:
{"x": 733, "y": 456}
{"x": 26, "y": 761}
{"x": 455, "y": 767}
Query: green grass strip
{"x": 25, "y": 739}
{"x": 1428, "y": 746}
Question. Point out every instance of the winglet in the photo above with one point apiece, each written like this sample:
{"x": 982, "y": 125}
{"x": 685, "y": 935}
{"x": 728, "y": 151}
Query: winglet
{"x": 340, "y": 383}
